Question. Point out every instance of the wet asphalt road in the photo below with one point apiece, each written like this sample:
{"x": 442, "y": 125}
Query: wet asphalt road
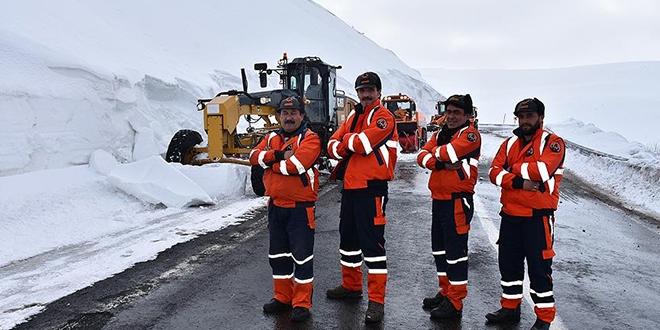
{"x": 605, "y": 272}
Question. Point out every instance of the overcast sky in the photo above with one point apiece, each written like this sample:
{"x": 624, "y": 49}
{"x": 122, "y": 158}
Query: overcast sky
{"x": 507, "y": 34}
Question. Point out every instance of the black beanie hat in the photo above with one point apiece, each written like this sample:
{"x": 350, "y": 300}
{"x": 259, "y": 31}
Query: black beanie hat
{"x": 530, "y": 104}
{"x": 462, "y": 101}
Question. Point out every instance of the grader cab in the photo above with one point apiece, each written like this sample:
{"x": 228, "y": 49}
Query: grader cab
{"x": 409, "y": 122}
{"x": 309, "y": 78}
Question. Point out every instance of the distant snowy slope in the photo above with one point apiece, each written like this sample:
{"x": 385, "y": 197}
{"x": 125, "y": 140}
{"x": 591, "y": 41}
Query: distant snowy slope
{"x": 79, "y": 76}
{"x": 620, "y": 97}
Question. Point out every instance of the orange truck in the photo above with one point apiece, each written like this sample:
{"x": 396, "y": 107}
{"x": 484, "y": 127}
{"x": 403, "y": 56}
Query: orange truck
{"x": 409, "y": 122}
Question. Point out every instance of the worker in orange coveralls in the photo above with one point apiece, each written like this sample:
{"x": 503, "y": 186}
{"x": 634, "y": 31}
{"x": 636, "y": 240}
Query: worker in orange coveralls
{"x": 528, "y": 167}
{"x": 365, "y": 145}
{"x": 292, "y": 182}
{"x": 452, "y": 155}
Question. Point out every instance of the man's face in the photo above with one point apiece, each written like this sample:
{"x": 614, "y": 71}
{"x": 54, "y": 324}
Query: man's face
{"x": 290, "y": 119}
{"x": 368, "y": 95}
{"x": 455, "y": 116}
{"x": 529, "y": 122}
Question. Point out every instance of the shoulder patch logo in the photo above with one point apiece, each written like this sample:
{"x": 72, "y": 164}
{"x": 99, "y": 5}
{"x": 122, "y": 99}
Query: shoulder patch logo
{"x": 555, "y": 147}
{"x": 381, "y": 123}
{"x": 530, "y": 151}
{"x": 472, "y": 137}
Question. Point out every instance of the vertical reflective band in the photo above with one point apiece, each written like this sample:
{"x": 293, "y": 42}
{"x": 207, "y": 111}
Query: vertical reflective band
{"x": 437, "y": 153}
{"x": 386, "y": 155}
{"x": 510, "y": 143}
{"x": 551, "y": 185}
{"x": 283, "y": 167}
{"x": 371, "y": 116}
{"x": 524, "y": 171}
{"x": 466, "y": 167}
{"x": 365, "y": 143}
{"x": 260, "y": 159}
{"x": 474, "y": 162}
{"x": 543, "y": 142}
{"x": 500, "y": 176}
{"x": 543, "y": 170}
{"x": 299, "y": 165}
{"x": 253, "y": 151}
{"x": 310, "y": 172}
{"x": 350, "y": 142}
{"x": 452, "y": 153}
{"x": 426, "y": 159}
{"x": 465, "y": 202}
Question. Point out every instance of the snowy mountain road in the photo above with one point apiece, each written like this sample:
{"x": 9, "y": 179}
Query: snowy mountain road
{"x": 604, "y": 275}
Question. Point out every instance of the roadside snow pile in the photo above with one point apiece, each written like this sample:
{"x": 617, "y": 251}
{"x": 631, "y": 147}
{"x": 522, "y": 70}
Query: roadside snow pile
{"x": 590, "y": 136}
{"x": 156, "y": 181}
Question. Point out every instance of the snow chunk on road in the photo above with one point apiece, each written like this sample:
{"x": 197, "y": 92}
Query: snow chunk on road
{"x": 155, "y": 181}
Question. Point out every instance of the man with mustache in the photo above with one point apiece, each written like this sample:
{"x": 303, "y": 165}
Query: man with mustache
{"x": 452, "y": 155}
{"x": 528, "y": 167}
{"x": 292, "y": 182}
{"x": 366, "y": 147}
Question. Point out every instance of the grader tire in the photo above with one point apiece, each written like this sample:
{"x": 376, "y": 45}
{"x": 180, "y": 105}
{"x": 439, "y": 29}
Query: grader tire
{"x": 257, "y": 179}
{"x": 179, "y": 150}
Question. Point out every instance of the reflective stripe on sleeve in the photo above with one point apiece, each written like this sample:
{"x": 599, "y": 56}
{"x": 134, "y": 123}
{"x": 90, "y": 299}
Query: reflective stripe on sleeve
{"x": 299, "y": 165}
{"x": 365, "y": 143}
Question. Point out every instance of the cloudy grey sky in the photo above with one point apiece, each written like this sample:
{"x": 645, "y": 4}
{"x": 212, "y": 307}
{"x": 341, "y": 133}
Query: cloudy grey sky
{"x": 507, "y": 34}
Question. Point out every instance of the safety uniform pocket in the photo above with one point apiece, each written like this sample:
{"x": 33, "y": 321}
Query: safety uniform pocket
{"x": 310, "y": 217}
{"x": 379, "y": 219}
{"x": 463, "y": 211}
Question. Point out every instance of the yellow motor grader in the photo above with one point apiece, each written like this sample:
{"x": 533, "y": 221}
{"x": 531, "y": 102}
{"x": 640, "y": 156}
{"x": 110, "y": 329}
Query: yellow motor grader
{"x": 309, "y": 78}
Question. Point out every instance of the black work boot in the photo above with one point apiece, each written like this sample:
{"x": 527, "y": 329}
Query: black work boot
{"x": 299, "y": 314}
{"x": 375, "y": 312}
{"x": 434, "y": 302}
{"x": 341, "y": 292}
{"x": 275, "y": 306}
{"x": 446, "y": 310}
{"x": 540, "y": 325}
{"x": 504, "y": 315}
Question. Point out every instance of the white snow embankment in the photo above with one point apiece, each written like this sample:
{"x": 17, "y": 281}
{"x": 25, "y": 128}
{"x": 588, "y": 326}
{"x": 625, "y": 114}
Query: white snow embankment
{"x": 156, "y": 181}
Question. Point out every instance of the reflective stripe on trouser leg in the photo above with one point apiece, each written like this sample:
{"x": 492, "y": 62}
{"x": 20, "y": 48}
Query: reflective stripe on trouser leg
{"x": 349, "y": 248}
{"x": 438, "y": 248}
{"x": 301, "y": 240}
{"x": 369, "y": 217}
{"x": 450, "y": 215}
{"x": 511, "y": 262}
{"x": 538, "y": 233}
{"x": 291, "y": 242}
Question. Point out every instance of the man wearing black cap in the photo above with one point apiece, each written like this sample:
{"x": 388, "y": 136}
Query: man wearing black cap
{"x": 365, "y": 145}
{"x": 528, "y": 167}
{"x": 292, "y": 182}
{"x": 452, "y": 155}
